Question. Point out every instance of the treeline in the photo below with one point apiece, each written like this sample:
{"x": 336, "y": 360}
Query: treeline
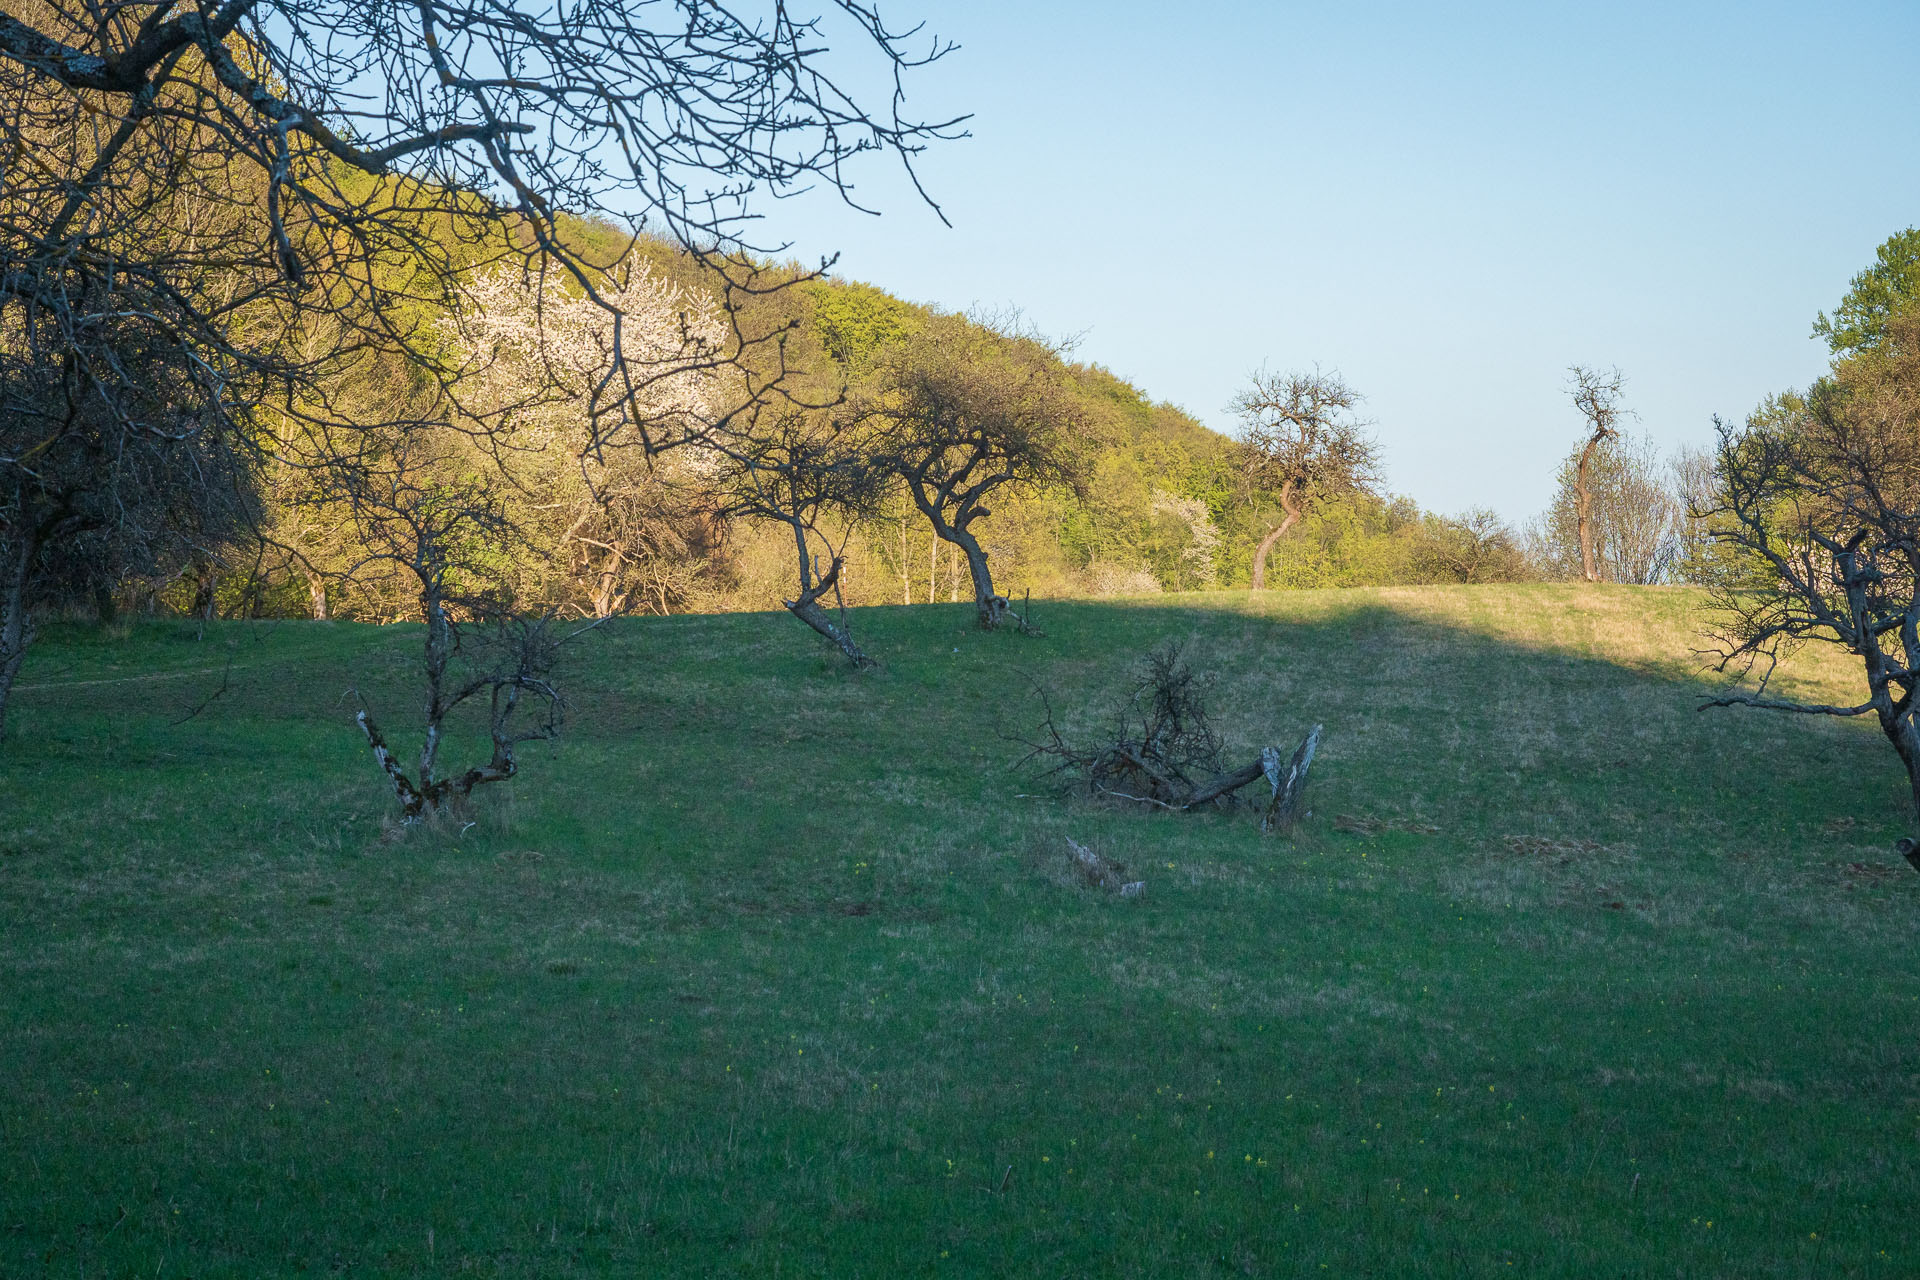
{"x": 1151, "y": 500}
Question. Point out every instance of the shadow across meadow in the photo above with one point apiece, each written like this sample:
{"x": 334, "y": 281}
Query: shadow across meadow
{"x": 768, "y": 961}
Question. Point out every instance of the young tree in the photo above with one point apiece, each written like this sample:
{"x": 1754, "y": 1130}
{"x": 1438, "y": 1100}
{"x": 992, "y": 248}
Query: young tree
{"x": 966, "y": 411}
{"x": 1597, "y": 396}
{"x": 1828, "y": 501}
{"x": 445, "y": 535}
{"x": 1301, "y": 445}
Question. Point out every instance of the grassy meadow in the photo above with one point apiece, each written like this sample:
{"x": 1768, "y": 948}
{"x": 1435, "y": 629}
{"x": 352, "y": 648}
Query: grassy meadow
{"x": 772, "y": 969}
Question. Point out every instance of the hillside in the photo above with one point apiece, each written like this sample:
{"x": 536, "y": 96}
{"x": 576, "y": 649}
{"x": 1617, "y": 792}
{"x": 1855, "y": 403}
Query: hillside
{"x": 766, "y": 967}
{"x": 1155, "y": 500}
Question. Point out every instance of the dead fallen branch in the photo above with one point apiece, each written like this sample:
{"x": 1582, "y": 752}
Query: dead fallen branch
{"x": 1164, "y": 753}
{"x": 1102, "y": 873}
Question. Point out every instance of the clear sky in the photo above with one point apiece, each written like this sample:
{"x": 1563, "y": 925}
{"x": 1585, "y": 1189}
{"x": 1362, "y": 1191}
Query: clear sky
{"x": 1449, "y": 204}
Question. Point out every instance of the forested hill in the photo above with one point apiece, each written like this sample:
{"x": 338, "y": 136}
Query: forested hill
{"x": 1154, "y": 500}
{"x": 1161, "y": 504}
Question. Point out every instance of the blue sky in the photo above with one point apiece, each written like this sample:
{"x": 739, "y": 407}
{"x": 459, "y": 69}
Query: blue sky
{"x": 1449, "y": 204}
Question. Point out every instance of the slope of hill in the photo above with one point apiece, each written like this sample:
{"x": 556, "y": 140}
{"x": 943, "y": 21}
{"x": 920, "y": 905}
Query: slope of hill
{"x": 767, "y": 966}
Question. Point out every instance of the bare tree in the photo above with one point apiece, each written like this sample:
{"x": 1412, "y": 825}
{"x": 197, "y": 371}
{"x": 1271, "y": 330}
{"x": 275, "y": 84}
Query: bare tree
{"x": 1828, "y": 501}
{"x": 1597, "y": 396}
{"x": 444, "y": 535}
{"x": 1301, "y": 445}
{"x": 807, "y": 467}
{"x": 1693, "y": 487}
{"x": 1634, "y": 519}
{"x": 966, "y": 412}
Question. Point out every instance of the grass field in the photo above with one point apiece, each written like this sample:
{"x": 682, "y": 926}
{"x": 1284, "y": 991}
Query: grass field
{"x": 772, "y": 969}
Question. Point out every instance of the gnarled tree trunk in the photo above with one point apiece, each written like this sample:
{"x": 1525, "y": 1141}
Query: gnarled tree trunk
{"x": 989, "y": 606}
{"x": 990, "y": 609}
{"x": 1583, "y": 512}
{"x": 806, "y": 606}
{"x": 1290, "y": 505}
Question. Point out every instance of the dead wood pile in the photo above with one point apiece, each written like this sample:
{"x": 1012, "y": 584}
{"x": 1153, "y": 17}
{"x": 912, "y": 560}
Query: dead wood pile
{"x": 1164, "y": 752}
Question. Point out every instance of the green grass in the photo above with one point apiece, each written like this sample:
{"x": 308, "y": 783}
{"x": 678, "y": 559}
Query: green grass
{"x": 768, "y": 968}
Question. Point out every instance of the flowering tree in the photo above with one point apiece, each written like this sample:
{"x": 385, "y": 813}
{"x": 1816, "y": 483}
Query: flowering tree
{"x": 615, "y": 485}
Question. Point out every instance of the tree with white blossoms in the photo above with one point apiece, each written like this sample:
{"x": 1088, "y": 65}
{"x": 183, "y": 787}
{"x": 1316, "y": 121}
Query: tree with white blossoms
{"x": 611, "y": 455}
{"x": 1203, "y": 536}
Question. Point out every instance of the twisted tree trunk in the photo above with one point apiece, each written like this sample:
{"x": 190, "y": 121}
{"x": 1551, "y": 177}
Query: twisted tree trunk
{"x": 1583, "y": 511}
{"x": 1291, "y": 505}
{"x": 989, "y": 606}
{"x": 806, "y": 606}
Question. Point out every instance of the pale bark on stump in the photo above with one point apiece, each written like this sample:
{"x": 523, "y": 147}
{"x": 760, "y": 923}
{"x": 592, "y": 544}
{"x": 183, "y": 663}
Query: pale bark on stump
{"x": 1288, "y": 783}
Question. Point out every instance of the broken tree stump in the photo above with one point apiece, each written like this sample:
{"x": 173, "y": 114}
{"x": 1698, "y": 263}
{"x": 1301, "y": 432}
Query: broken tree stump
{"x": 1284, "y": 809}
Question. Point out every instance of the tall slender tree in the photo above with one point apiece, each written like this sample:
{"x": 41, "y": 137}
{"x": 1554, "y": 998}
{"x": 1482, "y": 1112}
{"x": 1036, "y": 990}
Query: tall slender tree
{"x": 1597, "y": 396}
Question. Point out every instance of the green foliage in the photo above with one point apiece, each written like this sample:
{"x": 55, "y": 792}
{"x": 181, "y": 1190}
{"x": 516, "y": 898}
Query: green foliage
{"x": 1359, "y": 540}
{"x": 1876, "y": 295}
{"x": 853, "y": 320}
